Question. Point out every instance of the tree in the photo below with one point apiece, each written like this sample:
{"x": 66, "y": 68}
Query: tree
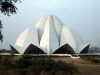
{"x": 1, "y": 36}
{"x": 7, "y": 7}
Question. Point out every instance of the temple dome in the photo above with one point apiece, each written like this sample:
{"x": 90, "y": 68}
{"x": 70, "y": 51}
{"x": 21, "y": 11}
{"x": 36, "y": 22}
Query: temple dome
{"x": 49, "y": 36}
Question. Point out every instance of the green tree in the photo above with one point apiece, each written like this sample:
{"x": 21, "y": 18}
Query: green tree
{"x": 7, "y": 7}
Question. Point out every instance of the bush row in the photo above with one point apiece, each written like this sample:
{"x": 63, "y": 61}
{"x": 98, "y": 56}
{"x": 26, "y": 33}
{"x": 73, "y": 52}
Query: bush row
{"x": 38, "y": 65}
{"x": 91, "y": 59}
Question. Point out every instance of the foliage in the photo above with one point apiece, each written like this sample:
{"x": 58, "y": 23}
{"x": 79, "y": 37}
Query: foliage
{"x": 6, "y": 61}
{"x": 23, "y": 62}
{"x": 91, "y": 59}
{"x": 4, "y": 50}
{"x": 0, "y": 56}
{"x": 26, "y": 64}
{"x": 83, "y": 56}
{"x": 7, "y": 7}
{"x": 21, "y": 71}
{"x": 94, "y": 60}
{"x": 1, "y": 36}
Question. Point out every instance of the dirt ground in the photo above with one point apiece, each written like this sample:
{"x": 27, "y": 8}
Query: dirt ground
{"x": 85, "y": 66}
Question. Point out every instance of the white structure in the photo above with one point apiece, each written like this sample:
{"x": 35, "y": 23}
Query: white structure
{"x": 49, "y": 36}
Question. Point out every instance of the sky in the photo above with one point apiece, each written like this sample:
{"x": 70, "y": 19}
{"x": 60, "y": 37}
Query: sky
{"x": 81, "y": 15}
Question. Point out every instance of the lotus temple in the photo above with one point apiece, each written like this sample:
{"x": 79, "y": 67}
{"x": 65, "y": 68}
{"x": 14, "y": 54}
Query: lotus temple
{"x": 49, "y": 36}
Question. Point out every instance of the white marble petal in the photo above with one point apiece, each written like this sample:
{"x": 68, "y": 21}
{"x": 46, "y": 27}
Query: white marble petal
{"x": 67, "y": 37}
{"x": 21, "y": 38}
{"x": 49, "y": 41}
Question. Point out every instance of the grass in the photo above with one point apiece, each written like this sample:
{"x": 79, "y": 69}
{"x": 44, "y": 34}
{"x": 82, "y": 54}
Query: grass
{"x": 91, "y": 59}
{"x": 28, "y": 65}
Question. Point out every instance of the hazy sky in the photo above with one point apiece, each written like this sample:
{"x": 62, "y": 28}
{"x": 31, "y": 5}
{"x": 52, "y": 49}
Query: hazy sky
{"x": 81, "y": 15}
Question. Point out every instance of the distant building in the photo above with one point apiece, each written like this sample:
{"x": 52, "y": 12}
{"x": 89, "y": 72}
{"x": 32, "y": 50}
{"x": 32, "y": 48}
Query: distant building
{"x": 49, "y": 36}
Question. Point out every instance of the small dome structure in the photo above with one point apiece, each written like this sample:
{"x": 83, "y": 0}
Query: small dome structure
{"x": 49, "y": 36}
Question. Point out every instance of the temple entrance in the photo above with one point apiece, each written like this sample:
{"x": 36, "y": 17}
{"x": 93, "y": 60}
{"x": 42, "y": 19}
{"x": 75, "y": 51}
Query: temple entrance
{"x": 65, "y": 49}
{"x": 85, "y": 50}
{"x": 32, "y": 49}
{"x": 14, "y": 50}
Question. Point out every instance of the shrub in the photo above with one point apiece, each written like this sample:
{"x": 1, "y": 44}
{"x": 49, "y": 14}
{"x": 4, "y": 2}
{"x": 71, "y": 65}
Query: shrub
{"x": 49, "y": 65}
{"x": 0, "y": 56}
{"x": 23, "y": 62}
{"x": 37, "y": 65}
{"x": 6, "y": 61}
{"x": 91, "y": 59}
{"x": 21, "y": 71}
{"x": 83, "y": 56}
{"x": 3, "y": 72}
{"x": 94, "y": 60}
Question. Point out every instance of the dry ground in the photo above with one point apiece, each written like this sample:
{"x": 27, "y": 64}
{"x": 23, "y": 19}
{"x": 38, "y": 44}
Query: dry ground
{"x": 85, "y": 66}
